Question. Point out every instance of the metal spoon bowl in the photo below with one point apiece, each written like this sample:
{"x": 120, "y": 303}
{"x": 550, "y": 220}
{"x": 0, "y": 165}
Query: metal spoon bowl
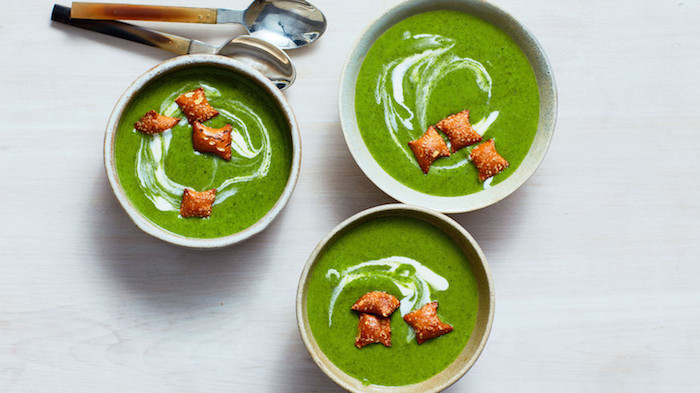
{"x": 288, "y": 24}
{"x": 257, "y": 54}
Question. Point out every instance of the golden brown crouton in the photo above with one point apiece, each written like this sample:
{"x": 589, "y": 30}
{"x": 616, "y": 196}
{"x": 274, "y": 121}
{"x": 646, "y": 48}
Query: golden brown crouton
{"x": 195, "y": 106}
{"x": 426, "y": 323}
{"x": 373, "y": 329}
{"x": 197, "y": 204}
{"x": 487, "y": 160}
{"x": 428, "y": 148}
{"x": 212, "y": 140}
{"x": 154, "y": 123}
{"x": 459, "y": 130}
{"x": 377, "y": 303}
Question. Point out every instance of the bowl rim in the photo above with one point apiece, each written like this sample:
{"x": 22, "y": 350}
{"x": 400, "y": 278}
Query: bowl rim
{"x": 486, "y": 303}
{"x": 171, "y": 65}
{"x": 539, "y": 62}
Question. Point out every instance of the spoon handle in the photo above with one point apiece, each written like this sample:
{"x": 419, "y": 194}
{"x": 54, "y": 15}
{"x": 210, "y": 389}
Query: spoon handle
{"x": 113, "y": 11}
{"x": 171, "y": 43}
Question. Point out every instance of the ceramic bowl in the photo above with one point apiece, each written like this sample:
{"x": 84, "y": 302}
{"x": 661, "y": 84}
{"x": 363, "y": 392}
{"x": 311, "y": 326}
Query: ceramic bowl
{"x": 485, "y": 312}
{"x": 547, "y": 117}
{"x": 184, "y": 62}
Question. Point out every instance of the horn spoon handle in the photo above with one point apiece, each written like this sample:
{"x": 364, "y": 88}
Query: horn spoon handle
{"x": 169, "y": 42}
{"x": 113, "y": 11}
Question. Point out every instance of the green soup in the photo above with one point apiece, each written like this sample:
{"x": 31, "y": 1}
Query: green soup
{"x": 410, "y": 259}
{"x": 155, "y": 169}
{"x": 432, "y": 65}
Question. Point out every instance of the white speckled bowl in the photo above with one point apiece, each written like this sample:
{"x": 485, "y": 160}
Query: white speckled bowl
{"x": 194, "y": 61}
{"x": 485, "y": 311}
{"x": 545, "y": 129}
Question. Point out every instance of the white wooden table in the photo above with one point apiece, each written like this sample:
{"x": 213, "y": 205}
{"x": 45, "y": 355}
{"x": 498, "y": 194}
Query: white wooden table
{"x": 596, "y": 260}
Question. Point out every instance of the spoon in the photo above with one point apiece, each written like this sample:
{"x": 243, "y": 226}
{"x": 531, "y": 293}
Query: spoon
{"x": 256, "y": 53}
{"x": 289, "y": 24}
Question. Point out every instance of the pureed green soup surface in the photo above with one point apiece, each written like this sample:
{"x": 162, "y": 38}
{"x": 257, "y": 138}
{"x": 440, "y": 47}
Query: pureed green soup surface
{"x": 410, "y": 259}
{"x": 430, "y": 66}
{"x": 155, "y": 169}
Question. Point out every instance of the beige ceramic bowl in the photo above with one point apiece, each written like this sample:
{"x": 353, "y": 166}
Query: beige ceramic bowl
{"x": 184, "y": 62}
{"x": 485, "y": 312}
{"x": 548, "y": 105}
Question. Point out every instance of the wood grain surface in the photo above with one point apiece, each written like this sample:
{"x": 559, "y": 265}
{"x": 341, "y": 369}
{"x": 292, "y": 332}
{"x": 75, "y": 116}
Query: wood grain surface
{"x": 596, "y": 260}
